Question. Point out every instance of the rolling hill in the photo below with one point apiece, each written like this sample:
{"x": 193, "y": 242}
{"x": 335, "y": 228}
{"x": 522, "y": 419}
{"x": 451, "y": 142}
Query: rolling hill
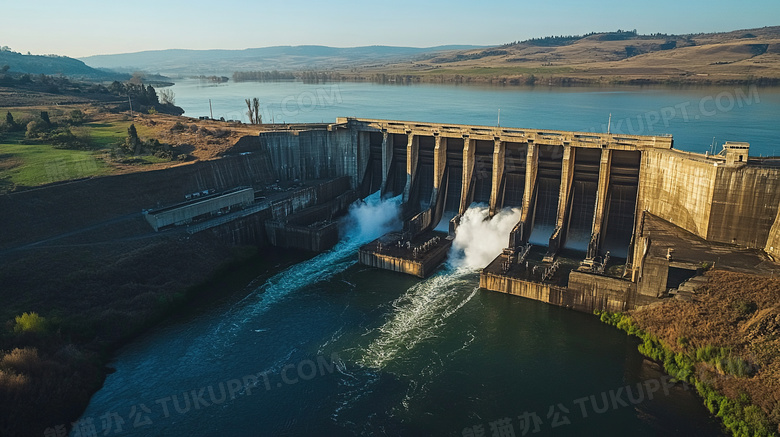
{"x": 54, "y": 65}
{"x": 225, "y": 62}
{"x": 623, "y": 56}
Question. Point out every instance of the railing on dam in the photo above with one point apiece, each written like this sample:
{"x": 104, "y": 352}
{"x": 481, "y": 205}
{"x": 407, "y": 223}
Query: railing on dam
{"x": 537, "y": 136}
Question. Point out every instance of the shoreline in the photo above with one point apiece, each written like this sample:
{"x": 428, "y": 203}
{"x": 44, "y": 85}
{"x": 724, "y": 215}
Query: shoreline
{"x": 525, "y": 80}
{"x": 721, "y": 364}
{"x": 90, "y": 355}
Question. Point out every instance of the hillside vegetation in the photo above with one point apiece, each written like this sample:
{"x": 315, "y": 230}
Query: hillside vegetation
{"x": 725, "y": 342}
{"x": 54, "y": 65}
{"x": 743, "y": 56}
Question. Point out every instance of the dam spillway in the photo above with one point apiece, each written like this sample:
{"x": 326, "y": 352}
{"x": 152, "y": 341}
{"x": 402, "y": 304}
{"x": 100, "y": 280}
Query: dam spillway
{"x": 585, "y": 192}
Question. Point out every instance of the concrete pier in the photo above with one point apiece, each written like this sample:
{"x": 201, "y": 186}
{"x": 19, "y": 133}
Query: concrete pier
{"x": 420, "y": 256}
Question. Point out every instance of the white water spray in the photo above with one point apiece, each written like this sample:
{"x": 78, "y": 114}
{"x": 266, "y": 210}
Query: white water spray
{"x": 372, "y": 217}
{"x": 479, "y": 240}
{"x": 420, "y": 312}
{"x": 367, "y": 220}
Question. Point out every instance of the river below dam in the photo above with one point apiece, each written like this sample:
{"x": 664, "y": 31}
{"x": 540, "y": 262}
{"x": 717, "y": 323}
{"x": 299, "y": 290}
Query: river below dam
{"x": 329, "y": 347}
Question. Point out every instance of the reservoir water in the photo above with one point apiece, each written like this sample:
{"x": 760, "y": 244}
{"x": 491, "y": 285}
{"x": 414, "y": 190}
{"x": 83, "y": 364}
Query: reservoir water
{"x": 694, "y": 116}
{"x": 330, "y": 347}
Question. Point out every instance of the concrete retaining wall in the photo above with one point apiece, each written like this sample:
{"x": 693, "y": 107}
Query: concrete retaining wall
{"x": 585, "y": 293}
{"x": 246, "y": 230}
{"x": 314, "y": 154}
{"x": 309, "y": 197}
{"x": 677, "y": 189}
{"x": 421, "y": 267}
{"x": 744, "y": 205}
{"x": 773, "y": 241}
{"x": 314, "y": 239}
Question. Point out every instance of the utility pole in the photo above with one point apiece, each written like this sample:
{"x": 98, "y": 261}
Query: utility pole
{"x": 131, "y": 105}
{"x": 499, "y": 117}
{"x": 211, "y": 112}
{"x": 609, "y": 123}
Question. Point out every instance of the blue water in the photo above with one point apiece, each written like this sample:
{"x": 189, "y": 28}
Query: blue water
{"x": 696, "y": 117}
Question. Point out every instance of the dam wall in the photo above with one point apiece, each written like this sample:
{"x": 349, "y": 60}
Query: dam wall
{"x": 744, "y": 205}
{"x": 678, "y": 188}
{"x": 578, "y": 192}
{"x": 772, "y": 246}
{"x": 711, "y": 198}
{"x": 317, "y": 153}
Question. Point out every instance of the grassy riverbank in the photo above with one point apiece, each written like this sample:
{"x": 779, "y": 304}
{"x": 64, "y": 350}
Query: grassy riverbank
{"x": 724, "y": 342}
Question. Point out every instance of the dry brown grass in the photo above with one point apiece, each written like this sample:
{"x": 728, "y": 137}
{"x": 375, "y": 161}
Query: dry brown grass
{"x": 707, "y": 58}
{"x": 733, "y": 310}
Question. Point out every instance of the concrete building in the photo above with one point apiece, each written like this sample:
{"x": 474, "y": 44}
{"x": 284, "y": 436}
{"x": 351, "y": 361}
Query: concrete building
{"x": 200, "y": 206}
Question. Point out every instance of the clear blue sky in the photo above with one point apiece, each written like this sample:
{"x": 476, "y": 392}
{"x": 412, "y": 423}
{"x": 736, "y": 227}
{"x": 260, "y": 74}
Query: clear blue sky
{"x": 84, "y": 27}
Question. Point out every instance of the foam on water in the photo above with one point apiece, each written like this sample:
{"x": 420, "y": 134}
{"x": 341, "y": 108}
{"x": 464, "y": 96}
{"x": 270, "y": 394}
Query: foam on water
{"x": 425, "y": 307}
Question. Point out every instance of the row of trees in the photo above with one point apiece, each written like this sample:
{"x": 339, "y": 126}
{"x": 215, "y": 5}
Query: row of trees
{"x": 259, "y": 76}
{"x": 134, "y": 146}
{"x": 254, "y": 111}
{"x": 66, "y": 132}
{"x": 144, "y": 98}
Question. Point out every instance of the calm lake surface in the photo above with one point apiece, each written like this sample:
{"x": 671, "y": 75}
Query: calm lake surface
{"x": 329, "y": 347}
{"x": 694, "y": 116}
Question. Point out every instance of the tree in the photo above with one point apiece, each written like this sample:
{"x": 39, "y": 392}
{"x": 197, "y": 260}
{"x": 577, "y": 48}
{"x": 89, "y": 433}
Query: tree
{"x": 34, "y": 128}
{"x": 9, "y": 119}
{"x": 76, "y": 116}
{"x": 256, "y": 105}
{"x": 132, "y": 142}
{"x": 45, "y": 117}
{"x": 151, "y": 96}
{"x": 138, "y": 78}
{"x": 116, "y": 87}
{"x": 254, "y": 111}
{"x": 250, "y": 113}
{"x": 167, "y": 97}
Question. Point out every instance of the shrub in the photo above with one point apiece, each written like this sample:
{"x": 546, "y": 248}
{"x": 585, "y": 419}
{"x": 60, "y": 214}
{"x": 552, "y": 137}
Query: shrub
{"x": 24, "y": 360}
{"x": 178, "y": 127}
{"x": 221, "y": 133}
{"x": 30, "y": 322}
{"x": 744, "y": 308}
{"x": 34, "y": 129}
{"x": 76, "y": 117}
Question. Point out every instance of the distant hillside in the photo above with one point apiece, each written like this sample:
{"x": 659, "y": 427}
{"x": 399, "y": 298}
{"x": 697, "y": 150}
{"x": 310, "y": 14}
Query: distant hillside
{"x": 749, "y": 55}
{"x": 225, "y": 62}
{"x": 52, "y": 65}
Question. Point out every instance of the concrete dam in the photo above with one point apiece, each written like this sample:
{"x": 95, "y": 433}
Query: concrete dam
{"x": 607, "y": 221}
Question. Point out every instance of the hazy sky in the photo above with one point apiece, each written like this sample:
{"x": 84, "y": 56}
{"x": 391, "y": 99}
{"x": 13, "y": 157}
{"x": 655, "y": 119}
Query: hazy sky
{"x": 84, "y": 27}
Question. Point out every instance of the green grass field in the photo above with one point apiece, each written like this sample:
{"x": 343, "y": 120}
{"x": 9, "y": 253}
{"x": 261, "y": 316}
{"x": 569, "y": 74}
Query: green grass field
{"x": 30, "y": 165}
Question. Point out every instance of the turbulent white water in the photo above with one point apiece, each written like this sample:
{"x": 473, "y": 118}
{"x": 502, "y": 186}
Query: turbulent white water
{"x": 417, "y": 315}
{"x": 423, "y": 309}
{"x": 479, "y": 240}
{"x": 421, "y": 314}
{"x": 367, "y": 220}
